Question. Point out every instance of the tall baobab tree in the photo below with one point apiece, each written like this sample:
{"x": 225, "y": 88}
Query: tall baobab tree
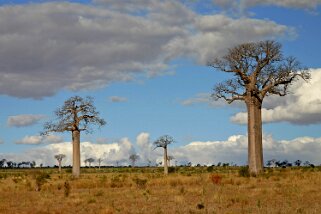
{"x": 163, "y": 142}
{"x": 75, "y": 116}
{"x": 259, "y": 70}
{"x": 133, "y": 158}
{"x": 59, "y": 158}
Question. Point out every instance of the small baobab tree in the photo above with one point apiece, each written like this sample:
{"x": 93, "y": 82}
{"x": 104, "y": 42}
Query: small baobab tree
{"x": 259, "y": 70}
{"x": 89, "y": 161}
{"x": 163, "y": 142}
{"x": 99, "y": 160}
{"x": 169, "y": 158}
{"x": 133, "y": 158}
{"x": 59, "y": 158}
{"x": 76, "y": 115}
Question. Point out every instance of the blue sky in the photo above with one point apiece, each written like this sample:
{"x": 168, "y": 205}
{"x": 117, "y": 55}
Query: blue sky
{"x": 144, "y": 62}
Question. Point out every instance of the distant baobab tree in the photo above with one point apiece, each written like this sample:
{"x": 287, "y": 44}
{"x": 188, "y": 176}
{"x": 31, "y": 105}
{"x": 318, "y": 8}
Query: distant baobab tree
{"x": 169, "y": 158}
{"x": 163, "y": 142}
{"x": 2, "y": 162}
{"x": 133, "y": 158}
{"x": 59, "y": 158}
{"x": 99, "y": 160}
{"x": 75, "y": 116}
{"x": 89, "y": 160}
{"x": 259, "y": 70}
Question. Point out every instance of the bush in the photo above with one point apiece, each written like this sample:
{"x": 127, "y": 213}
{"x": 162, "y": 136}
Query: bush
{"x": 244, "y": 171}
{"x": 171, "y": 169}
{"x": 41, "y": 179}
{"x": 216, "y": 179}
{"x": 140, "y": 182}
{"x": 210, "y": 169}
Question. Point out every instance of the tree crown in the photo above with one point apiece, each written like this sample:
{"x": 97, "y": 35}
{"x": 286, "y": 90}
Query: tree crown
{"x": 77, "y": 114}
{"x": 260, "y": 70}
{"x": 163, "y": 141}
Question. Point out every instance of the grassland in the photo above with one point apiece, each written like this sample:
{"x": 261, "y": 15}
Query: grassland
{"x": 146, "y": 190}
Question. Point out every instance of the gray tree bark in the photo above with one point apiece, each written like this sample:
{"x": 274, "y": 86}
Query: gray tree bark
{"x": 255, "y": 147}
{"x": 165, "y": 161}
{"x": 59, "y": 163}
{"x": 76, "y": 154}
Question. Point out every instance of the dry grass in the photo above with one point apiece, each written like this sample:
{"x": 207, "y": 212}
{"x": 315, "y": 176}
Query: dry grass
{"x": 189, "y": 190}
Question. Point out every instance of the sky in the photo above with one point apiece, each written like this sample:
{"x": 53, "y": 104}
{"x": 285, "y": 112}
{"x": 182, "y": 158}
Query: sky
{"x": 145, "y": 64}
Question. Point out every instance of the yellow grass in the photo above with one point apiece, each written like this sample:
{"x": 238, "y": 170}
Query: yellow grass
{"x": 296, "y": 190}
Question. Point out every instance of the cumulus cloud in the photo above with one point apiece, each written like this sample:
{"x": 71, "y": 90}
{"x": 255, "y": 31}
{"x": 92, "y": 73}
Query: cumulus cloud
{"x": 232, "y": 150}
{"x": 205, "y": 98}
{"x": 117, "y": 99}
{"x": 46, "y": 47}
{"x": 24, "y": 120}
{"x": 36, "y": 139}
{"x": 244, "y": 4}
{"x": 302, "y": 106}
{"x": 223, "y": 32}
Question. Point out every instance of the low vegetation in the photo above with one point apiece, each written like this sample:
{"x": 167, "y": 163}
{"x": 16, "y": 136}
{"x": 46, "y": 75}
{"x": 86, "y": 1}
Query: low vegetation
{"x": 147, "y": 190}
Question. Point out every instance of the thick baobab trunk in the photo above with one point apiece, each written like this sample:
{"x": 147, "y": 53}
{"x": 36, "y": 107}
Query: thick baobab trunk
{"x": 165, "y": 161}
{"x": 59, "y": 163}
{"x": 76, "y": 153}
{"x": 255, "y": 148}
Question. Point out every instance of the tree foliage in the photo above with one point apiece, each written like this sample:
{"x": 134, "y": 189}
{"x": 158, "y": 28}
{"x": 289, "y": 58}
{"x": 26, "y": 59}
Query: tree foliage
{"x": 77, "y": 114}
{"x": 164, "y": 141}
{"x": 259, "y": 70}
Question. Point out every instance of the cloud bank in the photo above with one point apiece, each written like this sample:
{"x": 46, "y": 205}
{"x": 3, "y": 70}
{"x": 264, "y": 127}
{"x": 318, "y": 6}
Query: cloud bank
{"x": 36, "y": 139}
{"x": 242, "y": 5}
{"x": 47, "y": 47}
{"x": 24, "y": 120}
{"x": 117, "y": 99}
{"x": 302, "y": 106}
{"x": 232, "y": 150}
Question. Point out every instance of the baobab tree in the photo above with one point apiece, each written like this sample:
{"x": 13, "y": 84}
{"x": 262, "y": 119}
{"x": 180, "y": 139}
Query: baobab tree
{"x": 259, "y": 70}
{"x": 59, "y": 158}
{"x": 89, "y": 160}
{"x": 163, "y": 142}
{"x": 75, "y": 116}
{"x": 133, "y": 158}
{"x": 169, "y": 158}
{"x": 99, "y": 160}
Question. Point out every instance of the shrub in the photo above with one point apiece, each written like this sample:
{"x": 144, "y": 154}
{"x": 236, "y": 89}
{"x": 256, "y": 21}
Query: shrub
{"x": 140, "y": 182}
{"x": 244, "y": 171}
{"x": 210, "y": 169}
{"x": 171, "y": 169}
{"x": 41, "y": 179}
{"x": 67, "y": 189}
{"x": 216, "y": 179}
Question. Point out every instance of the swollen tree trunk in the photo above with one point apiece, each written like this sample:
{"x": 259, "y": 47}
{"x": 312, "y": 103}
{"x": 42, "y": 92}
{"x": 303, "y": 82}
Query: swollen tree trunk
{"x": 165, "y": 161}
{"x": 255, "y": 148}
{"x": 59, "y": 163}
{"x": 76, "y": 154}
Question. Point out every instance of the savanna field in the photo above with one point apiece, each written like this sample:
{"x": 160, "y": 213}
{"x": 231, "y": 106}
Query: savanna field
{"x": 147, "y": 190}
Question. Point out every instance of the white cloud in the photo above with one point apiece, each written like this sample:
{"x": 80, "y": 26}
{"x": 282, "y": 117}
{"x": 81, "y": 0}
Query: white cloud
{"x": 232, "y": 150}
{"x": 36, "y": 139}
{"x": 303, "y": 4}
{"x": 24, "y": 120}
{"x": 1, "y": 141}
{"x": 117, "y": 99}
{"x": 242, "y": 5}
{"x": 205, "y": 98}
{"x": 47, "y": 47}
{"x": 302, "y": 106}
{"x": 223, "y": 32}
